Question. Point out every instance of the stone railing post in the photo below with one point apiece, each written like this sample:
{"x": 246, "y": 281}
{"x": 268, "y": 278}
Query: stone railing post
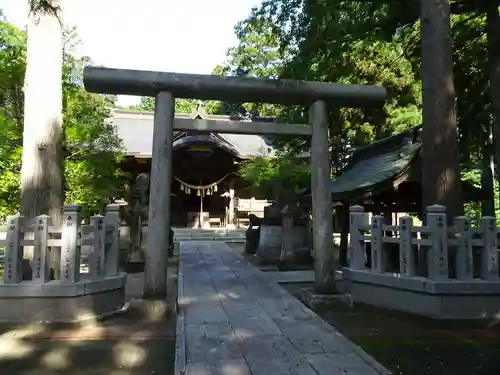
{"x": 378, "y": 256}
{"x": 407, "y": 265}
{"x": 287, "y": 254}
{"x": 13, "y": 272}
{"x": 112, "y": 224}
{"x": 489, "y": 255}
{"x": 438, "y": 254}
{"x": 357, "y": 254}
{"x": 98, "y": 255}
{"x": 41, "y": 256}
{"x": 71, "y": 244}
{"x": 464, "y": 258}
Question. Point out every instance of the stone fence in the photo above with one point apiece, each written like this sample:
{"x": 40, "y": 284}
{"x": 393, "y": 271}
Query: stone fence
{"x": 95, "y": 291}
{"x": 460, "y": 263}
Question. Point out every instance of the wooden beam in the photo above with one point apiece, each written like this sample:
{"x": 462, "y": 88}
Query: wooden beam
{"x": 228, "y": 89}
{"x": 241, "y": 127}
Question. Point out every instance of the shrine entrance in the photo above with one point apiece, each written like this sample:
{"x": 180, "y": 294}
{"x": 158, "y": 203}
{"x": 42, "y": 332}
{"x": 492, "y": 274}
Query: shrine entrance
{"x": 203, "y": 176}
{"x": 165, "y": 87}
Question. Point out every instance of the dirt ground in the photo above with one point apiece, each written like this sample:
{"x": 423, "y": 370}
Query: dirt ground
{"x": 123, "y": 344}
{"x": 408, "y": 345}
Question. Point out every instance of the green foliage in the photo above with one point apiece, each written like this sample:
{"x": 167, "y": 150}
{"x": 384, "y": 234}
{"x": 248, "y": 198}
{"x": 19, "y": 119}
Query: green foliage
{"x": 372, "y": 42}
{"x": 256, "y": 55}
{"x": 473, "y": 209}
{"x": 181, "y": 105}
{"x": 93, "y": 150}
{"x": 333, "y": 41}
{"x": 263, "y": 173}
{"x": 10, "y": 165}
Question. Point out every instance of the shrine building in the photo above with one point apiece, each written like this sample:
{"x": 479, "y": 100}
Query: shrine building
{"x": 206, "y": 188}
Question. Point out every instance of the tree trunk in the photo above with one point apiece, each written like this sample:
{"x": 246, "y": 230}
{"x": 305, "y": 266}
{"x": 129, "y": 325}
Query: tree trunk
{"x": 487, "y": 173}
{"x": 492, "y": 30}
{"x": 42, "y": 163}
{"x": 42, "y": 170}
{"x": 441, "y": 182}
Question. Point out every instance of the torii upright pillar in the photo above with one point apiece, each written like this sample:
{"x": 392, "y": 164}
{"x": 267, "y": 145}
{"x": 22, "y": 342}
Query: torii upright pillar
{"x": 159, "y": 198}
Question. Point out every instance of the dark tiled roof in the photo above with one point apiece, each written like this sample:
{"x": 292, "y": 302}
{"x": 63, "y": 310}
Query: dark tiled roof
{"x": 136, "y": 130}
{"x": 378, "y": 163}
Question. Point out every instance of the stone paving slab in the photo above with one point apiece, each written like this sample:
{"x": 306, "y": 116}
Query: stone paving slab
{"x": 233, "y": 319}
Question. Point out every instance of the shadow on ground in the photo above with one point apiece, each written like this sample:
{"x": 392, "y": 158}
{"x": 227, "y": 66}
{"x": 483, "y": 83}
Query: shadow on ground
{"x": 126, "y": 343}
{"x": 408, "y": 345}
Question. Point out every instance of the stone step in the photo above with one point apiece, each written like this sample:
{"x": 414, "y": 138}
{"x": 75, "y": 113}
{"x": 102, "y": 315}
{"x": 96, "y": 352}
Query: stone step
{"x": 206, "y": 238}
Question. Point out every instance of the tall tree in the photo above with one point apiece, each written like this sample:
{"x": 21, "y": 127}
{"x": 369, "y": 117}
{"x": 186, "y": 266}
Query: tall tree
{"x": 492, "y": 27}
{"x": 42, "y": 169}
{"x": 92, "y": 148}
{"x": 441, "y": 179}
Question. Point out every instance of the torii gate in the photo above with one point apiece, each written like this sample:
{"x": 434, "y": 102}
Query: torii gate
{"x": 165, "y": 87}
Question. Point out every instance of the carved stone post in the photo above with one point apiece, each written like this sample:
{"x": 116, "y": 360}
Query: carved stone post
{"x": 112, "y": 220}
{"x": 407, "y": 266}
{"x": 378, "y": 255}
{"x": 464, "y": 266}
{"x": 287, "y": 253}
{"x": 13, "y": 272}
{"x": 70, "y": 249}
{"x": 489, "y": 255}
{"x": 438, "y": 254}
{"x": 155, "y": 286}
{"x": 98, "y": 256}
{"x": 41, "y": 259}
{"x": 324, "y": 279}
{"x": 356, "y": 251}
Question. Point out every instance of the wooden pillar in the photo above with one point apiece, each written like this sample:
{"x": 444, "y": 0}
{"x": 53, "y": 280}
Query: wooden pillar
{"x": 155, "y": 286}
{"x": 343, "y": 212}
{"x": 324, "y": 279}
{"x": 231, "y": 211}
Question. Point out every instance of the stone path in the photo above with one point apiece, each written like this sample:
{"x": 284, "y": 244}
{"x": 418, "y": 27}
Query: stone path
{"x": 234, "y": 320}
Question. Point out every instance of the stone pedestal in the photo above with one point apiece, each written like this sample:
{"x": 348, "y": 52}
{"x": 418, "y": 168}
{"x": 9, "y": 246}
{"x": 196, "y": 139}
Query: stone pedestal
{"x": 271, "y": 235}
{"x": 295, "y": 248}
{"x": 325, "y": 301}
{"x": 56, "y": 302}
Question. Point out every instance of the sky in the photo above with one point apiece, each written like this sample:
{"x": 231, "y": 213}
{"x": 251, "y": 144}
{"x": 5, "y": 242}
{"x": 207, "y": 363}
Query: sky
{"x": 183, "y": 36}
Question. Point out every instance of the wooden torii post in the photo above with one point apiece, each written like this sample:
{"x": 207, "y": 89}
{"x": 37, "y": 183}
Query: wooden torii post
{"x": 165, "y": 87}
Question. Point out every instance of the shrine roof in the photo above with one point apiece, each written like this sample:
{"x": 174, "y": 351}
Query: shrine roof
{"x": 374, "y": 166}
{"x": 135, "y": 128}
